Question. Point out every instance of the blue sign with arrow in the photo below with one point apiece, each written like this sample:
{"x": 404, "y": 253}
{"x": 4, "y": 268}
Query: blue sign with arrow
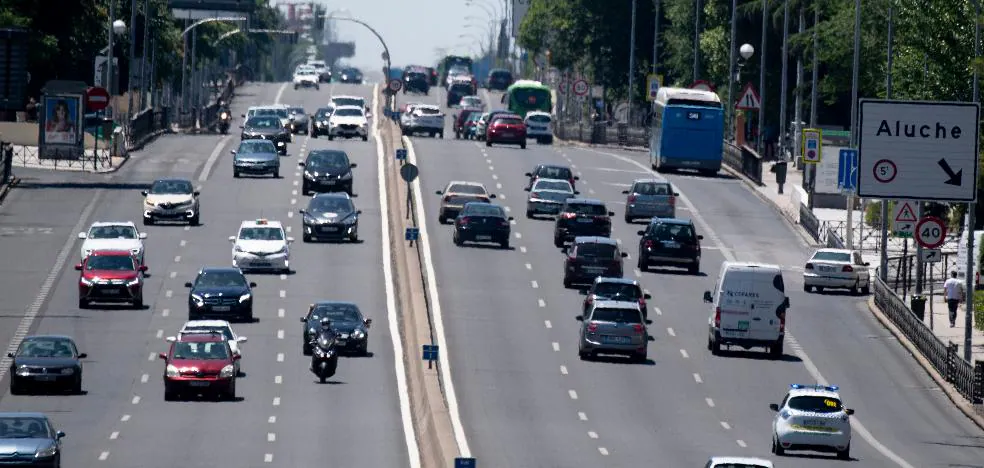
{"x": 412, "y": 234}
{"x": 847, "y": 170}
{"x": 430, "y": 352}
{"x": 401, "y": 154}
{"x": 464, "y": 463}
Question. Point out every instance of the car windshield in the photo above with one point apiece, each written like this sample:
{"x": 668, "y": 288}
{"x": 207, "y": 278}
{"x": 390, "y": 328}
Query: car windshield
{"x": 207, "y": 350}
{"x": 683, "y": 233}
{"x": 263, "y": 122}
{"x": 112, "y": 232}
{"x": 467, "y": 188}
{"x": 299, "y": 110}
{"x": 46, "y": 348}
{"x": 221, "y": 279}
{"x": 322, "y": 113}
{"x": 335, "y": 313}
{"x": 481, "y": 209}
{"x": 416, "y": 76}
{"x": 348, "y": 112}
{"x": 465, "y": 199}
{"x": 652, "y": 188}
{"x": 255, "y": 147}
{"x": 172, "y": 187}
{"x": 558, "y": 197}
{"x": 327, "y": 160}
{"x": 455, "y": 71}
{"x": 501, "y": 75}
{"x": 621, "y": 290}
{"x": 225, "y": 331}
{"x": 587, "y": 209}
{"x": 472, "y": 100}
{"x": 261, "y": 233}
{"x": 331, "y": 205}
{"x": 616, "y": 315}
{"x": 561, "y": 185}
{"x": 832, "y": 256}
{"x": 461, "y": 88}
{"x": 539, "y": 118}
{"x": 428, "y": 110}
{"x": 592, "y": 250}
{"x": 815, "y": 404}
{"x": 553, "y": 172}
{"x": 268, "y": 112}
{"x": 348, "y": 102}
{"x": 474, "y": 117}
{"x": 23, "y": 427}
{"x": 110, "y": 263}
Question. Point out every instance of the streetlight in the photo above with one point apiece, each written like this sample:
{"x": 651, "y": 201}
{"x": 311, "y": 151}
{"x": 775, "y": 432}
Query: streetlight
{"x": 116, "y": 27}
{"x": 745, "y": 51}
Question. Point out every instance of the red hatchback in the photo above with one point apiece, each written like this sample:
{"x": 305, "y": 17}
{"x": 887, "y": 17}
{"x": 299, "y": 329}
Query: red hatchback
{"x": 111, "y": 276}
{"x": 508, "y": 129}
{"x": 200, "y": 364}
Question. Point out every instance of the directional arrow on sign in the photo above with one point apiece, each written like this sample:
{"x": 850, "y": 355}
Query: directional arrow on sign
{"x": 955, "y": 178}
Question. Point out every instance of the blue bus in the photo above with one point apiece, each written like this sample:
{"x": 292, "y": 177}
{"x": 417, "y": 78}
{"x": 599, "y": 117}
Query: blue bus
{"x": 687, "y": 131}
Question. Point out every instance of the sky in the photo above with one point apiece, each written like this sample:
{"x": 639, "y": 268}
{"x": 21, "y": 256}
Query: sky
{"x": 414, "y": 30}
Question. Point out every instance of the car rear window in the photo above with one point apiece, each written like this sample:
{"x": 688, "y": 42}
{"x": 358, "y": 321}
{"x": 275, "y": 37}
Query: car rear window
{"x": 483, "y": 210}
{"x": 550, "y": 172}
{"x": 620, "y": 290}
{"x": 507, "y": 121}
{"x": 815, "y": 404}
{"x": 596, "y": 250}
{"x": 416, "y": 76}
{"x": 463, "y": 199}
{"x": 586, "y": 209}
{"x": 461, "y": 88}
{"x": 682, "y": 233}
{"x": 736, "y": 465}
{"x": 616, "y": 315}
{"x": 465, "y": 188}
{"x": 832, "y": 256}
{"x": 539, "y": 119}
{"x": 652, "y": 188}
{"x": 428, "y": 110}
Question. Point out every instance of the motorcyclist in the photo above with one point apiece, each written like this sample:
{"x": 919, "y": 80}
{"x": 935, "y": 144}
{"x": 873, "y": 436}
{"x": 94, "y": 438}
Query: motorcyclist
{"x": 326, "y": 333}
{"x": 225, "y": 116}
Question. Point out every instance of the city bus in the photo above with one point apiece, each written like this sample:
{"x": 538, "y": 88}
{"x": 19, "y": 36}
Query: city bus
{"x": 452, "y": 61}
{"x": 687, "y": 131}
{"x": 526, "y": 95}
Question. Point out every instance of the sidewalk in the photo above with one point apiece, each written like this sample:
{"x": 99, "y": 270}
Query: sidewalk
{"x": 941, "y": 326}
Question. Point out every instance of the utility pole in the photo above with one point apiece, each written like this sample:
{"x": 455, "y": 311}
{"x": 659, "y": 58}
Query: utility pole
{"x": 854, "y": 113}
{"x": 697, "y": 40}
{"x": 762, "y": 91}
{"x": 632, "y": 34}
{"x": 798, "y": 110}
{"x": 971, "y": 208}
{"x": 144, "y": 81}
{"x": 655, "y": 68}
{"x": 883, "y": 260}
{"x": 109, "y": 52}
{"x": 130, "y": 67}
{"x": 730, "y": 110}
{"x": 784, "y": 83}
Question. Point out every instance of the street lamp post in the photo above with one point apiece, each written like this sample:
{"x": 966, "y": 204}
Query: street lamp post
{"x": 116, "y": 27}
{"x": 632, "y": 33}
{"x": 745, "y": 51}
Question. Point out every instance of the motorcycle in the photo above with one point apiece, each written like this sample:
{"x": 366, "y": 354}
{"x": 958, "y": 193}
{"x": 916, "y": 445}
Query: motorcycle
{"x": 224, "y": 118}
{"x": 324, "y": 359}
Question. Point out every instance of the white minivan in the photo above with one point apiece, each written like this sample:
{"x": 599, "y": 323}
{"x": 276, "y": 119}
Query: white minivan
{"x": 749, "y": 305}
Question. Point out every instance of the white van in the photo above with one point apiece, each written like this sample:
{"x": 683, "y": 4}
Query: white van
{"x": 749, "y": 308}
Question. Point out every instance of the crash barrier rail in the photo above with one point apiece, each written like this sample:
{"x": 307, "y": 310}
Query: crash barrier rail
{"x": 967, "y": 378}
{"x": 146, "y": 125}
{"x": 809, "y": 222}
{"x": 831, "y": 238}
{"x": 91, "y": 160}
{"x": 743, "y": 159}
{"x": 603, "y": 133}
{"x": 7, "y": 155}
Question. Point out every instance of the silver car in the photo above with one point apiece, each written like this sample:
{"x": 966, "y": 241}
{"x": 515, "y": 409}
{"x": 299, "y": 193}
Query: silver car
{"x": 301, "y": 122}
{"x": 614, "y": 327}
{"x": 648, "y": 198}
{"x": 547, "y": 197}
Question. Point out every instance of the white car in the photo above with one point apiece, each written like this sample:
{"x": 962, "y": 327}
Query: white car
{"x": 539, "y": 125}
{"x": 221, "y": 327}
{"x": 812, "y": 417}
{"x": 406, "y": 113}
{"x": 547, "y": 197}
{"x": 357, "y": 101}
{"x": 113, "y": 235}
{"x": 261, "y": 245}
{"x": 425, "y": 118}
{"x": 837, "y": 268}
{"x": 472, "y": 102}
{"x": 738, "y": 462}
{"x": 306, "y": 78}
{"x": 348, "y": 122}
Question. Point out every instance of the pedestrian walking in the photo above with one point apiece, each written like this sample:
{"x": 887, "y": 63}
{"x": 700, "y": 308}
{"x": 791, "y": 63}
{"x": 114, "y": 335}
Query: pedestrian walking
{"x": 953, "y": 289}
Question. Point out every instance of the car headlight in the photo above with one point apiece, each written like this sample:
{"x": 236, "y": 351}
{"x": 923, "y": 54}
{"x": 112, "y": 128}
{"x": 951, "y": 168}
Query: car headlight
{"x": 46, "y": 452}
{"x": 358, "y": 334}
{"x": 281, "y": 250}
{"x": 346, "y": 176}
{"x": 238, "y": 248}
{"x": 198, "y": 300}
{"x": 351, "y": 219}
{"x": 85, "y": 281}
{"x": 67, "y": 371}
{"x": 310, "y": 175}
{"x": 311, "y": 220}
{"x": 133, "y": 282}
{"x": 228, "y": 371}
{"x": 22, "y": 371}
{"x": 245, "y": 297}
{"x": 171, "y": 371}
{"x": 324, "y": 122}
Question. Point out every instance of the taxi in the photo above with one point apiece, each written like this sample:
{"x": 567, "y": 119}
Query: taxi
{"x": 261, "y": 245}
{"x": 812, "y": 417}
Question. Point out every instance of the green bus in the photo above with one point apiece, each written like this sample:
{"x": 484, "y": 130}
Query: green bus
{"x": 526, "y": 95}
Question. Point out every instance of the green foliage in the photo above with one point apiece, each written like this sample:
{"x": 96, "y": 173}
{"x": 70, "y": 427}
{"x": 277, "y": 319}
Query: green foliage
{"x": 979, "y": 310}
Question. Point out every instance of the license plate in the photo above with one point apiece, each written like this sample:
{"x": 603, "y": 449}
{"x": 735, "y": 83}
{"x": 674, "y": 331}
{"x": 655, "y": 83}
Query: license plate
{"x": 814, "y": 423}
{"x": 826, "y": 268}
{"x": 329, "y": 229}
{"x": 111, "y": 292}
{"x": 328, "y": 182}
{"x": 671, "y": 245}
{"x": 615, "y": 339}
{"x": 594, "y": 269}
{"x": 221, "y": 308}
{"x": 260, "y": 264}
{"x": 45, "y": 378}
{"x": 483, "y": 238}
{"x": 585, "y": 220}
{"x": 340, "y": 342}
{"x": 198, "y": 383}
{"x": 507, "y": 134}
{"x": 743, "y": 325}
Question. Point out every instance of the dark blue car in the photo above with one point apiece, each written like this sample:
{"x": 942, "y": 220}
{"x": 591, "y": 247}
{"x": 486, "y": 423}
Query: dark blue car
{"x": 222, "y": 293}
{"x": 482, "y": 222}
{"x": 29, "y": 439}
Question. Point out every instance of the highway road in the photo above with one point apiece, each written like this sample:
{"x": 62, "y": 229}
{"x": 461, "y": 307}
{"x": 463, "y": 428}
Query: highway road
{"x": 284, "y": 417}
{"x": 527, "y": 400}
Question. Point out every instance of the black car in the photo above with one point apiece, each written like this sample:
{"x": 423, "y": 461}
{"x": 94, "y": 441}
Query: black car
{"x": 552, "y": 171}
{"x": 346, "y": 319}
{"x": 29, "y": 439}
{"x": 331, "y": 216}
{"x": 615, "y": 289}
{"x": 416, "y": 81}
{"x": 499, "y": 79}
{"x": 670, "y": 242}
{"x": 46, "y": 361}
{"x": 350, "y": 75}
{"x": 457, "y": 91}
{"x": 319, "y": 123}
{"x": 590, "y": 257}
{"x": 267, "y": 127}
{"x": 255, "y": 157}
{"x": 222, "y": 293}
{"x": 327, "y": 171}
{"x": 482, "y": 222}
{"x": 582, "y": 217}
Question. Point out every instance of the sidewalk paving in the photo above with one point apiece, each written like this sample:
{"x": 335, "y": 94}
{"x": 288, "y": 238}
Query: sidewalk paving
{"x": 941, "y": 326}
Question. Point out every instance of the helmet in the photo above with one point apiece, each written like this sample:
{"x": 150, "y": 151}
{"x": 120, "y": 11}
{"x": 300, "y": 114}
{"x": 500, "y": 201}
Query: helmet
{"x": 325, "y": 322}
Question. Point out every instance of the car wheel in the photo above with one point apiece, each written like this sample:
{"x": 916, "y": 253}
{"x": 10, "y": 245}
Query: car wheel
{"x": 628, "y": 219}
{"x": 195, "y": 220}
{"x": 865, "y": 290}
{"x": 77, "y": 385}
{"x": 807, "y": 288}
{"x": 558, "y": 242}
{"x": 83, "y": 303}
{"x": 249, "y": 315}
{"x": 488, "y": 143}
{"x": 148, "y": 221}
{"x": 819, "y": 289}
{"x": 642, "y": 265}
{"x": 775, "y": 351}
{"x": 694, "y": 269}
{"x": 457, "y": 136}
{"x": 231, "y": 393}
{"x": 354, "y": 237}
{"x": 441, "y": 135}
{"x": 529, "y": 214}
{"x": 844, "y": 454}
{"x": 365, "y": 137}
{"x": 457, "y": 240}
{"x": 276, "y": 174}
{"x": 641, "y": 357}
{"x": 15, "y": 387}
{"x": 776, "y": 448}
{"x": 568, "y": 284}
{"x": 170, "y": 396}
{"x": 522, "y": 145}
{"x": 331, "y": 137}
{"x": 138, "y": 303}
{"x": 306, "y": 349}
{"x": 715, "y": 346}
{"x": 442, "y": 220}
{"x": 305, "y": 191}
{"x": 235, "y": 174}
{"x": 504, "y": 244}
{"x": 306, "y": 238}
{"x": 583, "y": 355}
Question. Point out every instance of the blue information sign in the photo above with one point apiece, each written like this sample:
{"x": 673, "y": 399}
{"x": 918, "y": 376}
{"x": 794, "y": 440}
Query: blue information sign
{"x": 401, "y": 154}
{"x": 412, "y": 233}
{"x": 464, "y": 463}
{"x": 847, "y": 170}
{"x": 430, "y": 353}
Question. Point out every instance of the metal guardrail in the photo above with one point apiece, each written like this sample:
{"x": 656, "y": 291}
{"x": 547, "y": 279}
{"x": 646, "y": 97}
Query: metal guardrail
{"x": 603, "y": 133}
{"x": 809, "y": 222}
{"x": 6, "y": 162}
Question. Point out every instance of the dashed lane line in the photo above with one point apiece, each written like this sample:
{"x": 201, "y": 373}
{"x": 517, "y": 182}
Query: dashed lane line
{"x": 582, "y": 416}
{"x": 710, "y": 402}
{"x": 555, "y": 345}
{"x": 573, "y": 394}
{"x": 697, "y": 378}
{"x": 547, "y": 324}
{"x": 725, "y": 425}
{"x": 541, "y": 303}
{"x": 563, "y": 370}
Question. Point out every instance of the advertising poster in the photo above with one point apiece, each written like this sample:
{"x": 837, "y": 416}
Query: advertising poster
{"x": 61, "y": 133}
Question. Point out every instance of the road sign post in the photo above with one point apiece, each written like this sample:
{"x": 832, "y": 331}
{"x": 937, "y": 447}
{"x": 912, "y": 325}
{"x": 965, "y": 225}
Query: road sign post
{"x": 409, "y": 173}
{"x": 918, "y": 150}
{"x": 904, "y": 218}
{"x": 401, "y": 155}
{"x": 96, "y": 99}
{"x": 812, "y": 153}
{"x": 430, "y": 354}
{"x": 394, "y": 86}
{"x": 930, "y": 232}
{"x": 847, "y": 170}
{"x": 411, "y": 235}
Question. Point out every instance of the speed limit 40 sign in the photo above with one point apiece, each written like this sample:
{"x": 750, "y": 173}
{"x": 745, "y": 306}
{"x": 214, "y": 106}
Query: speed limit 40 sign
{"x": 930, "y": 232}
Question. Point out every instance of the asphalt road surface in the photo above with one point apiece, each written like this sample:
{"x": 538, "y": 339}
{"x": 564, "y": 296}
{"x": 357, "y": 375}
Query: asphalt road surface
{"x": 284, "y": 417}
{"x": 527, "y": 400}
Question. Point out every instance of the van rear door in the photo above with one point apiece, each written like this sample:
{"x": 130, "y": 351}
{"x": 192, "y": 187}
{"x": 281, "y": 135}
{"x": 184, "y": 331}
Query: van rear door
{"x": 767, "y": 306}
{"x": 735, "y": 303}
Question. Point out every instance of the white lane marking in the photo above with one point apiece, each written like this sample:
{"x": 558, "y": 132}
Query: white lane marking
{"x": 187, "y": 228}
{"x": 56, "y": 270}
{"x": 495, "y": 177}
{"x": 280, "y": 93}
{"x": 498, "y": 185}
{"x": 529, "y": 266}
{"x": 741, "y": 443}
{"x": 173, "y": 274}
{"x": 669, "y": 331}
{"x": 728, "y": 254}
{"x": 184, "y": 243}
{"x": 135, "y": 400}
{"x": 271, "y": 437}
{"x": 296, "y": 183}
{"x": 268, "y": 458}
{"x": 393, "y": 320}
{"x": 658, "y": 310}
{"x": 294, "y": 192}
{"x": 168, "y": 293}
{"x": 603, "y": 451}
{"x": 582, "y": 416}
{"x": 103, "y": 456}
{"x": 572, "y": 394}
{"x": 502, "y": 196}
{"x": 637, "y": 272}
{"x": 591, "y": 191}
{"x": 152, "y": 356}
{"x": 144, "y": 378}
{"x": 725, "y": 425}
{"x": 547, "y": 324}
{"x": 280, "y": 357}
{"x": 710, "y": 402}
{"x": 281, "y": 312}
{"x": 283, "y": 276}
{"x": 683, "y": 353}
{"x": 508, "y": 209}
{"x": 278, "y": 379}
{"x": 177, "y": 258}
{"x": 555, "y": 345}
{"x": 280, "y": 334}
{"x": 541, "y": 303}
{"x": 288, "y": 229}
{"x": 272, "y": 420}
{"x": 114, "y": 435}
{"x": 212, "y": 159}
{"x": 519, "y": 236}
{"x": 445, "y": 367}
{"x": 697, "y": 378}
{"x": 563, "y": 370}
{"x": 159, "y": 334}
{"x": 593, "y": 434}
{"x": 276, "y": 401}
{"x": 293, "y": 201}
{"x": 165, "y": 312}
{"x": 125, "y": 418}
{"x": 491, "y": 168}
{"x": 283, "y": 293}
{"x": 522, "y": 249}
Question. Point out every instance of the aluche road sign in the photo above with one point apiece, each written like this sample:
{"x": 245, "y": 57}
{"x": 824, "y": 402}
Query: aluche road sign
{"x": 930, "y": 232}
{"x": 653, "y": 82}
{"x": 847, "y": 170}
{"x": 904, "y": 218}
{"x": 918, "y": 150}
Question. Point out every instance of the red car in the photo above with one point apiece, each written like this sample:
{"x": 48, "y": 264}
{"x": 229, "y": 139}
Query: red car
{"x": 111, "y": 276}
{"x": 200, "y": 364}
{"x": 506, "y": 129}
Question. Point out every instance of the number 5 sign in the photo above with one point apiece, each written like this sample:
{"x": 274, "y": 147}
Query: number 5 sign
{"x": 930, "y": 232}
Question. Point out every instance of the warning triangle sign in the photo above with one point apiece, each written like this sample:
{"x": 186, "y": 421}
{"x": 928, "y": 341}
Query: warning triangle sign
{"x": 905, "y": 214}
{"x": 749, "y": 99}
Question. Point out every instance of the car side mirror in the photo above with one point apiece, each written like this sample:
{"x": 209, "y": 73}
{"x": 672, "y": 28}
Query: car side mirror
{"x": 196, "y": 193}
{"x": 648, "y": 322}
{"x": 243, "y": 116}
{"x": 142, "y": 235}
{"x": 242, "y": 127}
{"x": 60, "y": 434}
{"x": 171, "y": 339}
{"x": 302, "y": 211}
{"x": 785, "y": 303}
{"x": 700, "y": 237}
{"x": 300, "y": 163}
{"x": 290, "y": 239}
{"x": 354, "y": 165}
{"x": 647, "y": 296}
{"x": 368, "y": 322}
{"x": 252, "y": 284}
{"x": 650, "y": 337}
{"x": 10, "y": 355}
{"x": 232, "y": 151}
{"x": 491, "y": 195}
{"x": 511, "y": 218}
{"x": 611, "y": 213}
{"x": 849, "y": 411}
{"x": 236, "y": 357}
{"x": 438, "y": 192}
{"x": 867, "y": 263}
{"x": 528, "y": 174}
{"x": 624, "y": 255}
{"x": 162, "y": 356}
{"x": 577, "y": 178}
{"x": 576, "y": 192}
{"x": 143, "y": 268}
{"x": 707, "y": 297}
{"x": 625, "y": 192}
{"x": 358, "y": 212}
{"x": 82, "y": 235}
{"x": 641, "y": 233}
{"x": 774, "y": 406}
{"x": 527, "y": 189}
{"x": 232, "y": 238}
{"x": 303, "y": 319}
{"x": 83, "y": 355}
{"x": 78, "y": 267}
{"x": 675, "y": 194}
{"x": 579, "y": 318}
{"x": 188, "y": 284}
{"x": 143, "y": 192}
